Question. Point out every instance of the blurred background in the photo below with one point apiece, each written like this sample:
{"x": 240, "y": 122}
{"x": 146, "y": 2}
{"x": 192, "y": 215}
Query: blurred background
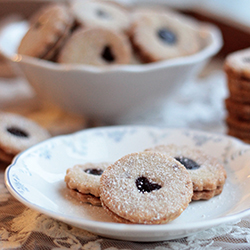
{"x": 198, "y": 105}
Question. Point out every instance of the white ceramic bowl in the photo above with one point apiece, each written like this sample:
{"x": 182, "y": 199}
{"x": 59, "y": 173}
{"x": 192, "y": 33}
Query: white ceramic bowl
{"x": 110, "y": 93}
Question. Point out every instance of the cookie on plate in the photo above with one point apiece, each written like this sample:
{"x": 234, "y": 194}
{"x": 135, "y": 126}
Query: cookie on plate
{"x": 83, "y": 180}
{"x": 161, "y": 36}
{"x": 207, "y": 174}
{"x": 49, "y": 28}
{"x": 18, "y": 133}
{"x": 96, "y": 46}
{"x": 145, "y": 188}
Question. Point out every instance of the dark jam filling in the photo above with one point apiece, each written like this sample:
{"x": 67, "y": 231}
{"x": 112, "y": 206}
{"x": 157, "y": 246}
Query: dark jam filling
{"x": 94, "y": 171}
{"x": 102, "y": 14}
{"x": 17, "y": 132}
{"x": 108, "y": 55}
{"x": 188, "y": 163}
{"x": 246, "y": 59}
{"x": 144, "y": 185}
{"x": 167, "y": 36}
{"x": 37, "y": 25}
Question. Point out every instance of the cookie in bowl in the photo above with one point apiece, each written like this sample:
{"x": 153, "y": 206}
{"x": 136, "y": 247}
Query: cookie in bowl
{"x": 48, "y": 30}
{"x": 158, "y": 35}
{"x": 96, "y": 46}
{"x": 104, "y": 14}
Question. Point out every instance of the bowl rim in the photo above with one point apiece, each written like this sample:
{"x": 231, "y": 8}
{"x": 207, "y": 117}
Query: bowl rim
{"x": 211, "y": 30}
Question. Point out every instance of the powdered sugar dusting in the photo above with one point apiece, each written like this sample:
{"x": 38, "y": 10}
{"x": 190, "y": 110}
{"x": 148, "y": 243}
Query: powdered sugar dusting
{"x": 120, "y": 194}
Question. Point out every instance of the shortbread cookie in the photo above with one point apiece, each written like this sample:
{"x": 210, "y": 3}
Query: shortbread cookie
{"x": 96, "y": 46}
{"x": 158, "y": 36}
{"x": 48, "y": 31}
{"x": 237, "y": 109}
{"x": 18, "y": 133}
{"x": 91, "y": 13}
{"x": 205, "y": 171}
{"x": 242, "y": 135}
{"x": 238, "y": 94}
{"x": 85, "y": 198}
{"x": 85, "y": 178}
{"x": 238, "y": 64}
{"x": 145, "y": 188}
{"x": 243, "y": 126}
{"x": 237, "y": 81}
{"x": 206, "y": 194}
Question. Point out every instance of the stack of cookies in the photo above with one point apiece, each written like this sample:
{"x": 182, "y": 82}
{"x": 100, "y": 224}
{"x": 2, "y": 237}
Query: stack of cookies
{"x": 237, "y": 69}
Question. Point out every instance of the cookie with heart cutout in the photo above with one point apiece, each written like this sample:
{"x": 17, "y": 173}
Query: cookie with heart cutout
{"x": 145, "y": 188}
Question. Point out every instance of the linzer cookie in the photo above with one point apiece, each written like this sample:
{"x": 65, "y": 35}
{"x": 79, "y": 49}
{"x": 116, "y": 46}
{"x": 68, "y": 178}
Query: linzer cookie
{"x": 207, "y": 174}
{"x": 145, "y": 188}
{"x": 18, "y": 133}
{"x": 96, "y": 46}
{"x": 84, "y": 180}
{"x": 105, "y": 14}
{"x": 48, "y": 31}
{"x": 158, "y": 36}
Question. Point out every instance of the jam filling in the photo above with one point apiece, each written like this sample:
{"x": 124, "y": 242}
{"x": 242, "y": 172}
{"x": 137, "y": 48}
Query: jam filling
{"x": 37, "y": 25}
{"x": 17, "y": 132}
{"x": 167, "y": 36}
{"x": 246, "y": 59}
{"x": 108, "y": 55}
{"x": 102, "y": 14}
{"x": 94, "y": 171}
{"x": 188, "y": 163}
{"x": 144, "y": 185}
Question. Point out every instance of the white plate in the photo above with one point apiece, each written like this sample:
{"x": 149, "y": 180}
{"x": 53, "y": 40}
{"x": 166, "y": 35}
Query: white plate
{"x": 36, "y": 178}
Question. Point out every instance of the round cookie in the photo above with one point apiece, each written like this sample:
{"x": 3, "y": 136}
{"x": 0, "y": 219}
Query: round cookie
{"x": 96, "y": 46}
{"x": 158, "y": 36}
{"x": 103, "y": 14}
{"x": 238, "y": 64}
{"x": 238, "y": 94}
{"x": 239, "y": 82}
{"x": 205, "y": 171}
{"x": 238, "y": 133}
{"x": 237, "y": 109}
{"x": 206, "y": 194}
{"x": 145, "y": 188}
{"x": 49, "y": 28}
{"x": 238, "y": 124}
{"x": 18, "y": 133}
{"x": 85, "y": 178}
{"x": 85, "y": 198}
